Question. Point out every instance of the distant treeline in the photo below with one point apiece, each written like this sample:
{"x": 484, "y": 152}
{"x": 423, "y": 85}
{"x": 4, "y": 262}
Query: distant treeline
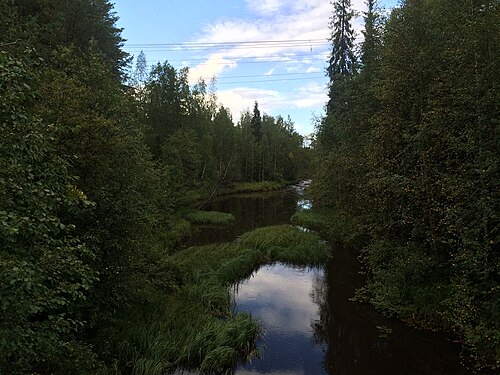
{"x": 409, "y": 153}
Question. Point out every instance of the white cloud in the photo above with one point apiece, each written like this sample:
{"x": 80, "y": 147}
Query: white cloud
{"x": 214, "y": 65}
{"x": 269, "y": 72}
{"x": 273, "y": 20}
{"x": 265, "y": 7}
{"x": 273, "y": 102}
{"x": 243, "y": 98}
{"x": 313, "y": 69}
{"x": 311, "y": 96}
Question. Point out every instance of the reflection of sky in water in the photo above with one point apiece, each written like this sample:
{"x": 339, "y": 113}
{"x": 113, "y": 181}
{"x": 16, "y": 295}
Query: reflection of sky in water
{"x": 280, "y": 297}
{"x": 304, "y": 204}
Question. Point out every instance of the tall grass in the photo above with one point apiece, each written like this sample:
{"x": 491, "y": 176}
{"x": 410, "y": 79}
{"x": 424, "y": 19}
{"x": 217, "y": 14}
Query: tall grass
{"x": 332, "y": 224}
{"x": 210, "y": 218}
{"x": 194, "y": 326}
{"x": 251, "y": 187}
{"x": 288, "y": 244}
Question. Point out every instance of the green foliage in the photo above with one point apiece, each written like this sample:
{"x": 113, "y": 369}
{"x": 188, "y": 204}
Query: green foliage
{"x": 82, "y": 24}
{"x": 210, "y": 217}
{"x": 409, "y": 152}
{"x": 286, "y": 244}
{"x": 44, "y": 267}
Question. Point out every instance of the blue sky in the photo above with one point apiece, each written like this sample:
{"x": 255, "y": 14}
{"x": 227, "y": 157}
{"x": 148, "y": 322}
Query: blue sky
{"x": 270, "y": 51}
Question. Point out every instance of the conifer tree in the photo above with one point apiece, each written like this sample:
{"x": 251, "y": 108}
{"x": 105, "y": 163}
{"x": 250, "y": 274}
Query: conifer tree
{"x": 342, "y": 60}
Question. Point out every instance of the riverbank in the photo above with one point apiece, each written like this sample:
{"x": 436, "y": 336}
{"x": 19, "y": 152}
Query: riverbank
{"x": 189, "y": 322}
{"x": 420, "y": 308}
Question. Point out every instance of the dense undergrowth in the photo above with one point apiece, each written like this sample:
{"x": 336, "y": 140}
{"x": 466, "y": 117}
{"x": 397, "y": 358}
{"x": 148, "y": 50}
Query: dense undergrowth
{"x": 187, "y": 320}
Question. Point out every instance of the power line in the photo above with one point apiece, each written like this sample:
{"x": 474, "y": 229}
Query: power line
{"x": 268, "y": 75}
{"x": 229, "y": 62}
{"x": 270, "y": 80}
{"x": 202, "y": 44}
{"x": 239, "y": 58}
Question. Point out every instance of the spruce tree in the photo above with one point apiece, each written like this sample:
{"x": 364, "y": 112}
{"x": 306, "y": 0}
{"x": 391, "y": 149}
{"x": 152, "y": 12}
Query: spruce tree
{"x": 342, "y": 61}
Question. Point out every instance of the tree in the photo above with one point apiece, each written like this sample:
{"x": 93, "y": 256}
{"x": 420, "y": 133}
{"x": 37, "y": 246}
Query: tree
{"x": 45, "y": 271}
{"x": 256, "y": 123}
{"x": 81, "y": 24}
{"x": 167, "y": 99}
{"x": 370, "y": 48}
{"x": 342, "y": 60}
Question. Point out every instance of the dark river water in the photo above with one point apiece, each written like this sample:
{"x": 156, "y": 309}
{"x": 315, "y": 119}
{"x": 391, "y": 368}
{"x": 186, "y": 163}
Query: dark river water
{"x": 311, "y": 325}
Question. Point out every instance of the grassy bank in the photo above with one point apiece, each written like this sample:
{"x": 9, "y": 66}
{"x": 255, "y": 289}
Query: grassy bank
{"x": 209, "y": 218}
{"x": 189, "y": 321}
{"x": 252, "y": 187}
{"x": 332, "y": 225}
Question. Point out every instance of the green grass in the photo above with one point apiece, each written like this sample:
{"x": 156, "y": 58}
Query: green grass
{"x": 250, "y": 187}
{"x": 333, "y": 225}
{"x": 168, "y": 238}
{"x": 210, "y": 218}
{"x": 287, "y": 244}
{"x": 193, "y": 325}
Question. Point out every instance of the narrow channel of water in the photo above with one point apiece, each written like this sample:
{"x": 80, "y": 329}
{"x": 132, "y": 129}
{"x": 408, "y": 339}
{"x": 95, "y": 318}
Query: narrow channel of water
{"x": 311, "y": 325}
{"x": 282, "y": 298}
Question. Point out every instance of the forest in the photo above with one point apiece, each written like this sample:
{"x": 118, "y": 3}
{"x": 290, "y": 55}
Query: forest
{"x": 408, "y": 156}
{"x": 105, "y": 163}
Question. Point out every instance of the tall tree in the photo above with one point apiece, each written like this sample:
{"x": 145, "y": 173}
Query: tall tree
{"x": 370, "y": 48}
{"x": 342, "y": 60}
{"x": 256, "y": 122}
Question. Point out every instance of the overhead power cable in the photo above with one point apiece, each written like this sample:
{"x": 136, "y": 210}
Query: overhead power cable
{"x": 270, "y": 80}
{"x": 203, "y": 44}
{"x": 268, "y": 75}
{"x": 229, "y": 62}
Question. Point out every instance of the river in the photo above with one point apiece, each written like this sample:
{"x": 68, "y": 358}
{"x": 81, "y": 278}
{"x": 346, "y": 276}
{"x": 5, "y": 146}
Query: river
{"x": 311, "y": 325}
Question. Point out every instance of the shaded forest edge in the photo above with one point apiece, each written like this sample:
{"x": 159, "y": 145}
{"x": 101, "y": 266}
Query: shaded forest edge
{"x": 407, "y": 163}
{"x": 98, "y": 162}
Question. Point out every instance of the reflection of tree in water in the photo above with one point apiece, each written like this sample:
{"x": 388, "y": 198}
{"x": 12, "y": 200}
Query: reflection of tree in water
{"x": 359, "y": 340}
{"x": 319, "y": 297}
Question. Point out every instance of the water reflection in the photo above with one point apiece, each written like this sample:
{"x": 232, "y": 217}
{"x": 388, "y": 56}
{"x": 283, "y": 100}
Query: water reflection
{"x": 312, "y": 325}
{"x": 281, "y": 297}
{"x": 361, "y": 341}
{"x": 250, "y": 211}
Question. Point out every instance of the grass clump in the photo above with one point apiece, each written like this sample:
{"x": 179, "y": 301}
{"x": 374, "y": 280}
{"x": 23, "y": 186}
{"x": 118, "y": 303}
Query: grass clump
{"x": 193, "y": 324}
{"x": 167, "y": 239}
{"x": 330, "y": 223}
{"x": 288, "y": 244}
{"x": 250, "y": 187}
{"x": 210, "y": 218}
